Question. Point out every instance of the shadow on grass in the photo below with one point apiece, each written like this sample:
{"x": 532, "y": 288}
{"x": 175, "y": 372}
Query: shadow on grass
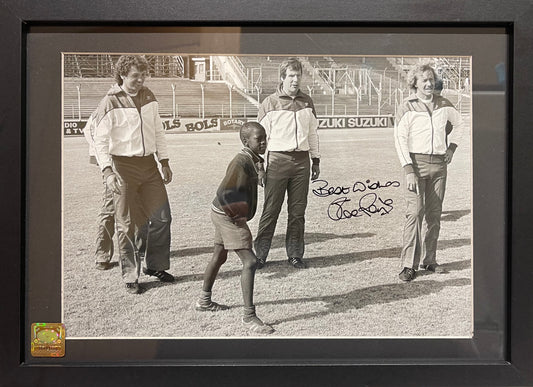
{"x": 152, "y": 284}
{"x": 450, "y": 266}
{"x": 277, "y": 241}
{"x": 191, "y": 251}
{"x": 281, "y": 269}
{"x": 454, "y": 215}
{"x": 316, "y": 237}
{"x": 346, "y": 258}
{"x": 373, "y": 295}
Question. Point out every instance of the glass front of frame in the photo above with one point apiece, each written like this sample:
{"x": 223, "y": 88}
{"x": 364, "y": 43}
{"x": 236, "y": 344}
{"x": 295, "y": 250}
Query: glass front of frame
{"x": 356, "y": 209}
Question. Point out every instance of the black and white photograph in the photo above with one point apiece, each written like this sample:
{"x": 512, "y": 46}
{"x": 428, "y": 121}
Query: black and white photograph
{"x": 273, "y": 194}
{"x": 277, "y": 194}
{"x": 266, "y": 196}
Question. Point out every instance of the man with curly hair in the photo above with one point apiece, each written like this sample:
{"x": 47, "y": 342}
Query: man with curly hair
{"x": 425, "y": 147}
{"x": 130, "y": 141}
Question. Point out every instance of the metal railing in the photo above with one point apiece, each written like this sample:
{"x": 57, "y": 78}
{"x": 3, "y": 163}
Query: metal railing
{"x": 103, "y": 65}
{"x": 214, "y": 110}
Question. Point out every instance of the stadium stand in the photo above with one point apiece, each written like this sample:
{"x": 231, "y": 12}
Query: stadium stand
{"x": 188, "y": 97}
{"x": 234, "y": 85}
{"x": 452, "y": 70}
{"x": 102, "y": 65}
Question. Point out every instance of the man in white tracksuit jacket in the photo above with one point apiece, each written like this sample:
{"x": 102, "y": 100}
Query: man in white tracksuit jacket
{"x": 106, "y": 217}
{"x": 289, "y": 119}
{"x": 129, "y": 141}
{"x": 424, "y": 150}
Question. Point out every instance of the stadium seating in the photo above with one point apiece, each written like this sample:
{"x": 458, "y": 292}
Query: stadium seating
{"x": 188, "y": 96}
{"x": 334, "y": 82}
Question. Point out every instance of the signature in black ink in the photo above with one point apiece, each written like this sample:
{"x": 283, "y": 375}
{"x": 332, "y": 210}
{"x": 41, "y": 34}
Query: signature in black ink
{"x": 369, "y": 204}
{"x": 324, "y": 190}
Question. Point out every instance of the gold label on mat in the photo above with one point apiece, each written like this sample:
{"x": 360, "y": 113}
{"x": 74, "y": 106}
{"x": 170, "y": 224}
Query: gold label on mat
{"x": 48, "y": 340}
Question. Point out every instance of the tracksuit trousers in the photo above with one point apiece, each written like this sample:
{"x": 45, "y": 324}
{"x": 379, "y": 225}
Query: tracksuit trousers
{"x": 106, "y": 228}
{"x": 286, "y": 172}
{"x": 431, "y": 171}
{"x": 142, "y": 203}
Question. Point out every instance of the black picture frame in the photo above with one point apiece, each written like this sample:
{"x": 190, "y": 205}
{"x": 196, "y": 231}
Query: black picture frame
{"x": 515, "y": 16}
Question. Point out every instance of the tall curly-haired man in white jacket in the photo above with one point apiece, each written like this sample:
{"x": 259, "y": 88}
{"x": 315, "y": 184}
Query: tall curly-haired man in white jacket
{"x": 129, "y": 142}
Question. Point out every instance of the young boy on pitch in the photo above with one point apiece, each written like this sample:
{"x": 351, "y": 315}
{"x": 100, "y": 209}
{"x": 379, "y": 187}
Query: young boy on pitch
{"x": 235, "y": 203}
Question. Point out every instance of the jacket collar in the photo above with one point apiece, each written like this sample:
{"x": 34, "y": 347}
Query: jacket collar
{"x": 116, "y": 89}
{"x": 414, "y": 97}
{"x": 281, "y": 93}
{"x": 255, "y": 157}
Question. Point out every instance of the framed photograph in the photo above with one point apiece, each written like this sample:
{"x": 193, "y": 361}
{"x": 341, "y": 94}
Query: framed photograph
{"x": 351, "y": 316}
{"x": 355, "y": 204}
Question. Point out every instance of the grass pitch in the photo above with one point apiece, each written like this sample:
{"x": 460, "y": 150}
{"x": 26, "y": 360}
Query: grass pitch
{"x": 351, "y": 288}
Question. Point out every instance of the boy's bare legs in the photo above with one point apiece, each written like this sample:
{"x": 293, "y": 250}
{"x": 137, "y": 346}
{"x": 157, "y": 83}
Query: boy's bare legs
{"x": 204, "y": 304}
{"x": 249, "y": 265}
{"x": 249, "y": 318}
{"x": 220, "y": 256}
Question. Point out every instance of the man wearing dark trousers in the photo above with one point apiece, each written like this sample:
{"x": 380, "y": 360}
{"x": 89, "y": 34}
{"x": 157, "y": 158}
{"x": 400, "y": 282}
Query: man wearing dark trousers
{"x": 425, "y": 147}
{"x": 129, "y": 142}
{"x": 106, "y": 217}
{"x": 289, "y": 119}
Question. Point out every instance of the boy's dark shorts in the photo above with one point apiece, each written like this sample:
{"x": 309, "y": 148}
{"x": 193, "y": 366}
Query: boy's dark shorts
{"x": 228, "y": 234}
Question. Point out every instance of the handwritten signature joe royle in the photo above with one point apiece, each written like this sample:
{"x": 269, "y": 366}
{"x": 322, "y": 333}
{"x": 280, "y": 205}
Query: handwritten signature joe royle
{"x": 369, "y": 204}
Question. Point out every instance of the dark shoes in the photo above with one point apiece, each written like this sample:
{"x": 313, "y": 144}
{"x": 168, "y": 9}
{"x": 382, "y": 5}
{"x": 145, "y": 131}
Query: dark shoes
{"x": 133, "y": 288}
{"x": 103, "y": 265}
{"x": 297, "y": 263}
{"x": 163, "y": 276}
{"x": 435, "y": 268}
{"x": 407, "y": 274}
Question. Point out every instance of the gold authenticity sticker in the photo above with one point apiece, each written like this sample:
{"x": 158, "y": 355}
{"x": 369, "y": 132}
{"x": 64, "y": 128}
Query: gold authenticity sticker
{"x": 48, "y": 340}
